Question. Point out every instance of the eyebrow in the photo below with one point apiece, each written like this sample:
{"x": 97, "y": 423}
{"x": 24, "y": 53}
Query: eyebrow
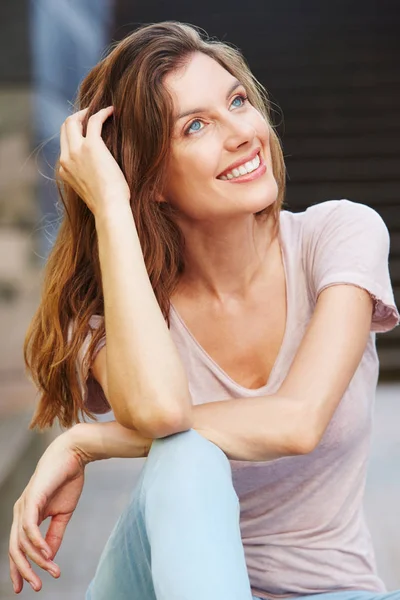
{"x": 192, "y": 111}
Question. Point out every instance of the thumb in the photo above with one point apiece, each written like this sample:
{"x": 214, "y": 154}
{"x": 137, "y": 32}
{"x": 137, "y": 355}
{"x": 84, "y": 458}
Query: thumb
{"x": 55, "y": 532}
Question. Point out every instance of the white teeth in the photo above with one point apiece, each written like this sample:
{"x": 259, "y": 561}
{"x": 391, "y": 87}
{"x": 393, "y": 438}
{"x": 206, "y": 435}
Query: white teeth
{"x": 247, "y": 167}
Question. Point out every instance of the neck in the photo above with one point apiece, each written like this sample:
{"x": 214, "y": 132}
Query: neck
{"x": 223, "y": 263}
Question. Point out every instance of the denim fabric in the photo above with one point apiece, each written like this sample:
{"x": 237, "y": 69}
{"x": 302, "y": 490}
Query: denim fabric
{"x": 355, "y": 595}
{"x": 179, "y": 537}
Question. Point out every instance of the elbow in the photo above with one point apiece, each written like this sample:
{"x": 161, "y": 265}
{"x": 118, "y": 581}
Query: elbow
{"x": 157, "y": 424}
{"x": 165, "y": 425}
{"x": 306, "y": 436}
{"x": 305, "y": 442}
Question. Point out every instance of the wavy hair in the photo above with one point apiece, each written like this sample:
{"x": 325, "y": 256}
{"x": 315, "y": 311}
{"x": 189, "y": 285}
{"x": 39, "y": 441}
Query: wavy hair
{"x": 129, "y": 77}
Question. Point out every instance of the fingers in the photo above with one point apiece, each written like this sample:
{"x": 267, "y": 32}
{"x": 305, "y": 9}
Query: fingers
{"x": 20, "y": 568}
{"x": 31, "y": 529}
{"x": 63, "y": 145}
{"x": 32, "y": 552}
{"x": 16, "y": 578}
{"x": 74, "y": 123}
{"x": 95, "y": 122}
{"x": 32, "y": 541}
{"x": 71, "y": 132}
{"x": 26, "y": 542}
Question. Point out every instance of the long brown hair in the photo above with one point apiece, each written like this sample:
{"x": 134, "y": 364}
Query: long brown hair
{"x": 130, "y": 77}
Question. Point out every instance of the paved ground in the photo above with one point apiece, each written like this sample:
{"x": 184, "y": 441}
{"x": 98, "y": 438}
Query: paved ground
{"x": 383, "y": 485}
{"x": 109, "y": 484}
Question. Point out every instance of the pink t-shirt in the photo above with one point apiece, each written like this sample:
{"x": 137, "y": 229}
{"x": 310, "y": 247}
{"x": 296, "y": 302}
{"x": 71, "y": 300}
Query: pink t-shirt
{"x": 302, "y": 520}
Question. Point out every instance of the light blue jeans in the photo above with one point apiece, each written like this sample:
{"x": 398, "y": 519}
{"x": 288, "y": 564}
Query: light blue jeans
{"x": 179, "y": 537}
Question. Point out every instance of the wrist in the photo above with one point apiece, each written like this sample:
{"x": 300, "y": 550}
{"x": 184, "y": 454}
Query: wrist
{"x": 98, "y": 441}
{"x": 80, "y": 439}
{"x": 111, "y": 211}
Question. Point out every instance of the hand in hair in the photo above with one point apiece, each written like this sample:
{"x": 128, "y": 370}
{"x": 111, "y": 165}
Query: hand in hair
{"x": 87, "y": 165}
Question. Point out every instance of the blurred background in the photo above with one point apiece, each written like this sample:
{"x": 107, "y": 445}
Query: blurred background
{"x": 332, "y": 71}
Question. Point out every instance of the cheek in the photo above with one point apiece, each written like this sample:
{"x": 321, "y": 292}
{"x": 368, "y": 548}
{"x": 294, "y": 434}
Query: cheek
{"x": 264, "y": 129}
{"x": 197, "y": 163}
{"x": 186, "y": 173}
{"x": 260, "y": 124}
{"x": 177, "y": 171}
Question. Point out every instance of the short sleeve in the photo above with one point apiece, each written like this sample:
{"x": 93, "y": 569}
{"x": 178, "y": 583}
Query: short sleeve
{"x": 92, "y": 392}
{"x": 345, "y": 242}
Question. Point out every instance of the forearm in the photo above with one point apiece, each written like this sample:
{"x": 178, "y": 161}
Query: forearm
{"x": 146, "y": 379}
{"x": 98, "y": 441}
{"x": 255, "y": 429}
{"x": 248, "y": 429}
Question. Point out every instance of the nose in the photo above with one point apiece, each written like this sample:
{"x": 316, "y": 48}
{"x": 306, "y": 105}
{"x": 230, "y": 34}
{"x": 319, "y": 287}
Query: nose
{"x": 239, "y": 131}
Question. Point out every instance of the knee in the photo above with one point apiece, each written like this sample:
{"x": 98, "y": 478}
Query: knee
{"x": 186, "y": 446}
{"x": 185, "y": 457}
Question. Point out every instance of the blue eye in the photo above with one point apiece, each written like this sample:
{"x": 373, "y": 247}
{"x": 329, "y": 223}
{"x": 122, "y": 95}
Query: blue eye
{"x": 191, "y": 128}
{"x": 241, "y": 98}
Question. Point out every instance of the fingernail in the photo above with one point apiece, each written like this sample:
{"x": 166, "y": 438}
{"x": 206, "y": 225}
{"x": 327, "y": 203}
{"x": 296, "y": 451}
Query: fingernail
{"x": 33, "y": 586}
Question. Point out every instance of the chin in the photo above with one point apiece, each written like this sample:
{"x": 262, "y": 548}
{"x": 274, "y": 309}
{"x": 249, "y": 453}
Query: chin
{"x": 265, "y": 201}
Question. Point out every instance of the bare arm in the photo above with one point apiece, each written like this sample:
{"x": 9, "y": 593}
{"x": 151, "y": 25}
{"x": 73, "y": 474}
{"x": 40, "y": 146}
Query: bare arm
{"x": 98, "y": 441}
{"x": 294, "y": 420}
{"x": 147, "y": 384}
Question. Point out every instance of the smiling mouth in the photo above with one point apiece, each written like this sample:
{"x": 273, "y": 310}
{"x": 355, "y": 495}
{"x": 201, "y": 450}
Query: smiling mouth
{"x": 246, "y": 171}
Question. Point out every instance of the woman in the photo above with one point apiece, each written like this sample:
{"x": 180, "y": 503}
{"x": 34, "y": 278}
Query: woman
{"x": 240, "y": 355}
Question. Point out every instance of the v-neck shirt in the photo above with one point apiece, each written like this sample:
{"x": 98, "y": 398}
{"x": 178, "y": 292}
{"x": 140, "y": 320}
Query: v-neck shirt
{"x": 179, "y": 323}
{"x": 301, "y": 517}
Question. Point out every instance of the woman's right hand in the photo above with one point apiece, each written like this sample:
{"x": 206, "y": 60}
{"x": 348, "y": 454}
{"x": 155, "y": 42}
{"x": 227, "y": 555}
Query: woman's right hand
{"x": 87, "y": 164}
{"x": 53, "y": 491}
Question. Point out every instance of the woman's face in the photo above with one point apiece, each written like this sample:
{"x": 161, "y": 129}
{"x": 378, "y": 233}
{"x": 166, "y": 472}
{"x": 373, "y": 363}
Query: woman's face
{"x": 215, "y": 131}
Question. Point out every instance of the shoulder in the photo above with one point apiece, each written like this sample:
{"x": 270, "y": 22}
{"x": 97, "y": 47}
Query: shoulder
{"x": 345, "y": 223}
{"x": 345, "y": 242}
{"x": 333, "y": 212}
